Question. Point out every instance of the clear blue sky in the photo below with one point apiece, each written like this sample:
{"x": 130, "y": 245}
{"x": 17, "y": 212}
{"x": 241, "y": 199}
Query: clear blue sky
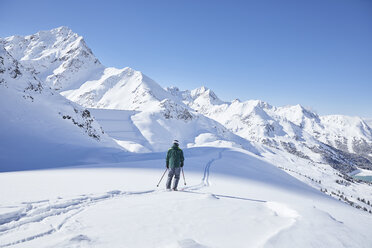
{"x": 317, "y": 53}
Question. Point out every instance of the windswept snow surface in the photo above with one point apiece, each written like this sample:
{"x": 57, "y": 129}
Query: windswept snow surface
{"x": 232, "y": 199}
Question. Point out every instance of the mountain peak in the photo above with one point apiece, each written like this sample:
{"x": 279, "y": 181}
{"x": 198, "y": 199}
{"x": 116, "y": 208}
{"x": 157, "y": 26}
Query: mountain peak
{"x": 198, "y": 91}
{"x": 61, "y": 29}
{"x": 125, "y": 89}
{"x": 299, "y": 111}
{"x": 52, "y": 35}
{"x": 260, "y": 104}
{"x": 205, "y": 94}
{"x": 59, "y": 57}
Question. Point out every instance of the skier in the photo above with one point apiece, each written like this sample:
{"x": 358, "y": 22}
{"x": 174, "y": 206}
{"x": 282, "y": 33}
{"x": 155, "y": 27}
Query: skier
{"x": 174, "y": 164}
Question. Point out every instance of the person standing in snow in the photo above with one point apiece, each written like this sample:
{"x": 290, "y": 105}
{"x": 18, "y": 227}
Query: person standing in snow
{"x": 174, "y": 164}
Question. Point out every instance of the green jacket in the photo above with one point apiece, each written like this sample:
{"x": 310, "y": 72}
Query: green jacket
{"x": 175, "y": 157}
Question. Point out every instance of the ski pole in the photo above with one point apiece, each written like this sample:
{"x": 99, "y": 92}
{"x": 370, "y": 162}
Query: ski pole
{"x": 183, "y": 174}
{"x": 162, "y": 177}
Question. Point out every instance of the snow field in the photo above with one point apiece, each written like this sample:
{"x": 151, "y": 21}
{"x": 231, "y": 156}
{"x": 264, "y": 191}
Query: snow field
{"x": 232, "y": 199}
{"x": 119, "y": 126}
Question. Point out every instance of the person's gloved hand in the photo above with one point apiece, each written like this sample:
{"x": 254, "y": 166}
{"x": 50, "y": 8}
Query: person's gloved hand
{"x": 167, "y": 166}
{"x": 181, "y": 164}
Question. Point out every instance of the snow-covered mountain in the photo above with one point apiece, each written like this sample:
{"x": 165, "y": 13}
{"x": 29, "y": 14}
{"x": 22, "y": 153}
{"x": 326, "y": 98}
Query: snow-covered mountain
{"x": 125, "y": 89}
{"x": 140, "y": 116}
{"x": 39, "y": 127}
{"x": 62, "y": 59}
{"x": 58, "y": 57}
{"x": 342, "y": 141}
{"x": 197, "y": 98}
{"x": 158, "y": 115}
{"x": 349, "y": 134}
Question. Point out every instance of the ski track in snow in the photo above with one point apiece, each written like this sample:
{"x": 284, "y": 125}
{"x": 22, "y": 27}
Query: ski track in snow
{"x": 205, "y": 180}
{"x": 206, "y": 183}
{"x": 207, "y": 169}
{"x": 39, "y": 211}
{"x": 45, "y": 210}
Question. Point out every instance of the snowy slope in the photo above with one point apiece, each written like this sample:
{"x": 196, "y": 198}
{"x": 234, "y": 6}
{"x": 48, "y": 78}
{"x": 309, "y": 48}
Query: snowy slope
{"x": 145, "y": 131}
{"x": 39, "y": 127}
{"x": 119, "y": 126}
{"x": 232, "y": 199}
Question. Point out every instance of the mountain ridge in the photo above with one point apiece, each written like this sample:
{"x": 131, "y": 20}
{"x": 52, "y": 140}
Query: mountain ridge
{"x": 291, "y": 128}
{"x": 258, "y": 121}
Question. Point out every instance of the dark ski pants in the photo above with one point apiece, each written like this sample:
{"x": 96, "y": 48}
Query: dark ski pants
{"x": 176, "y": 173}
